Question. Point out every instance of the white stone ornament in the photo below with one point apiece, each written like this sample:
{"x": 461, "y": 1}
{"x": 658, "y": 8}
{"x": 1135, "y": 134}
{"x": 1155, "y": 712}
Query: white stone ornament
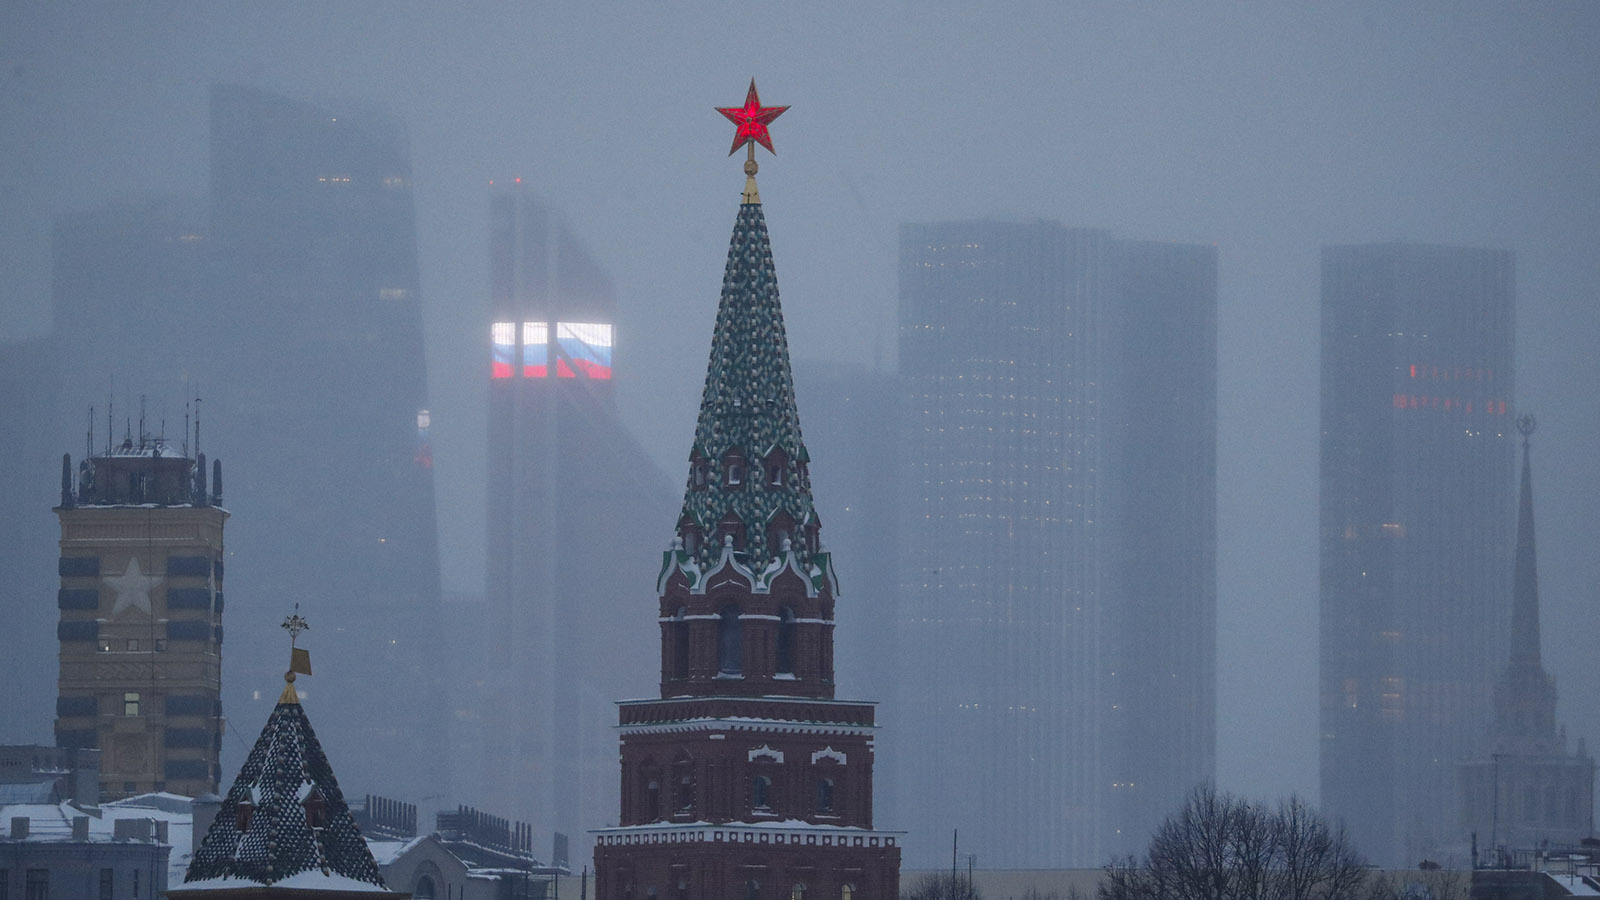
{"x": 133, "y": 588}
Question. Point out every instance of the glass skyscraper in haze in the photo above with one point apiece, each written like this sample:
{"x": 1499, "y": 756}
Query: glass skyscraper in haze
{"x": 288, "y": 299}
{"x": 1056, "y": 615}
{"x": 1416, "y": 533}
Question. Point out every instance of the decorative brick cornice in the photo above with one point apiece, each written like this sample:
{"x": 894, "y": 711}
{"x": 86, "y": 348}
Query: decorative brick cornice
{"x": 790, "y": 833}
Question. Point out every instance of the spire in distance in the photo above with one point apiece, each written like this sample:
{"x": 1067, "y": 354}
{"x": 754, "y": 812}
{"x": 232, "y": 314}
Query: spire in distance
{"x": 1525, "y": 580}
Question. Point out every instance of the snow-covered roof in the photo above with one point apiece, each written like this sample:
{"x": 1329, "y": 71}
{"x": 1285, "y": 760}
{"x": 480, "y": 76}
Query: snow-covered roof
{"x": 386, "y": 852}
{"x": 28, "y": 792}
{"x": 284, "y": 822}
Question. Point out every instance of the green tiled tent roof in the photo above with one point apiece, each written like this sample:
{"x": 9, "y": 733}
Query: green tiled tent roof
{"x": 748, "y": 405}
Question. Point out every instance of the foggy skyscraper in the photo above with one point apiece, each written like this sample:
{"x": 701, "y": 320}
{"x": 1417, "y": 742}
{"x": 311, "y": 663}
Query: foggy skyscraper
{"x": 575, "y": 507}
{"x": 293, "y": 309}
{"x": 1416, "y": 517}
{"x": 1059, "y": 447}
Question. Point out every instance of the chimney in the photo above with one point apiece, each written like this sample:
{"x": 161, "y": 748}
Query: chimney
{"x": 80, "y": 828}
{"x": 161, "y": 831}
{"x": 19, "y": 827}
{"x": 205, "y": 808}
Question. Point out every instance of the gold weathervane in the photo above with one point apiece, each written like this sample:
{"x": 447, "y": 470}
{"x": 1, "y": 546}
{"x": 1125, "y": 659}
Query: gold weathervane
{"x": 299, "y": 658}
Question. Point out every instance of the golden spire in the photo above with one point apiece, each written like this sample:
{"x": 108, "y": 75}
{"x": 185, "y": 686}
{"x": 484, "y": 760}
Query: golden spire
{"x": 299, "y": 659}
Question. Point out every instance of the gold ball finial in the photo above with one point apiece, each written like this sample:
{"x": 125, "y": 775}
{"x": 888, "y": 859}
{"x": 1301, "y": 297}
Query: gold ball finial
{"x": 289, "y": 676}
{"x": 750, "y": 167}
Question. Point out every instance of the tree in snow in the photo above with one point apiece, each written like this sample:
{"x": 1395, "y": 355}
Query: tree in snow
{"x": 1221, "y": 847}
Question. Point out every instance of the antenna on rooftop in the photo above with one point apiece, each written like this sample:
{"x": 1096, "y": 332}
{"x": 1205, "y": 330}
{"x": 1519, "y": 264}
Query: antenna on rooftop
{"x": 197, "y": 426}
{"x": 186, "y": 402}
{"x": 89, "y": 441}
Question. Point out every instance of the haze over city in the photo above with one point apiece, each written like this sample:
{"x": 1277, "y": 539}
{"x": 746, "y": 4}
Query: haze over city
{"x": 1267, "y": 131}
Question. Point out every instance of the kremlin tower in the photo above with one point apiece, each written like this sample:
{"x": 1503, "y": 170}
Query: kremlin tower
{"x": 747, "y": 779}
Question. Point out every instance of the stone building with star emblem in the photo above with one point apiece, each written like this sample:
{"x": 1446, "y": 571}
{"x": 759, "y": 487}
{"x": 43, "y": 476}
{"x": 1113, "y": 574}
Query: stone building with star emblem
{"x": 141, "y": 617}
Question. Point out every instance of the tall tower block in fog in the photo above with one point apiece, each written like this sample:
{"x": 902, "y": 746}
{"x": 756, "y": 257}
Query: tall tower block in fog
{"x": 747, "y": 778}
{"x": 141, "y": 617}
{"x": 1527, "y": 791}
{"x": 563, "y": 472}
{"x": 318, "y": 324}
{"x": 1417, "y": 387}
{"x": 1057, "y": 607}
{"x": 290, "y": 293}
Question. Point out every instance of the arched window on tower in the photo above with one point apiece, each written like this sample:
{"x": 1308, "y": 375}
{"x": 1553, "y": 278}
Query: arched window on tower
{"x": 729, "y": 641}
{"x": 779, "y": 528}
{"x": 824, "y": 796}
{"x": 798, "y": 892}
{"x": 680, "y": 643}
{"x": 690, "y": 533}
{"x": 316, "y": 809}
{"x": 761, "y": 792}
{"x": 731, "y": 526}
{"x": 847, "y": 891}
{"x": 786, "y": 642}
{"x": 776, "y": 467}
{"x": 650, "y": 781}
{"x": 733, "y": 468}
{"x": 699, "y": 471}
{"x": 683, "y": 774}
{"x": 752, "y": 890}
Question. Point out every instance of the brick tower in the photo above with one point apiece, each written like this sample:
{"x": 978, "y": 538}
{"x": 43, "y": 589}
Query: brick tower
{"x": 747, "y": 780}
{"x": 141, "y": 617}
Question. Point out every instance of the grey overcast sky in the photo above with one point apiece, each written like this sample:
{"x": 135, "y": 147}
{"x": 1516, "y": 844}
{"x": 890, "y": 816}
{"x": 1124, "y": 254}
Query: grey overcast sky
{"x": 1268, "y": 129}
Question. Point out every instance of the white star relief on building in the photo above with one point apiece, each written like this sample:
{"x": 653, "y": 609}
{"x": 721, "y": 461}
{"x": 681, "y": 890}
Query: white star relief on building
{"x": 133, "y": 588}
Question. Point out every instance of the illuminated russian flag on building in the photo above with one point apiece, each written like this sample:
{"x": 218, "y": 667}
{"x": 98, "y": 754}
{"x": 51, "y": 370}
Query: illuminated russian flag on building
{"x": 535, "y": 349}
{"x": 587, "y": 347}
{"x": 503, "y": 341}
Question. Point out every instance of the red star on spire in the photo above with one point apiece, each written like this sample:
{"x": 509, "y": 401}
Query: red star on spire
{"x": 752, "y": 119}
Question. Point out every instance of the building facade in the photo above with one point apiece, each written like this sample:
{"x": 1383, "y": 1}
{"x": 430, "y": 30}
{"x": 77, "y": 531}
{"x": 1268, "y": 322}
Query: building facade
{"x": 748, "y": 778}
{"x": 141, "y": 604}
{"x": 562, "y": 469}
{"x": 1528, "y": 791}
{"x": 1416, "y": 468}
{"x": 1057, "y": 596}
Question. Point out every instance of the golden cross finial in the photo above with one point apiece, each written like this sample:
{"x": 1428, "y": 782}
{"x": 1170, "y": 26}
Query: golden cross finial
{"x": 294, "y": 625}
{"x": 299, "y": 660}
